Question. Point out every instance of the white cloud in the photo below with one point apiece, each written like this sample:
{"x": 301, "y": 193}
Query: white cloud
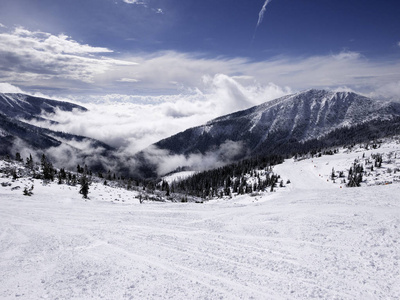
{"x": 43, "y": 41}
{"x": 133, "y": 1}
{"x": 389, "y": 91}
{"x": 33, "y": 57}
{"x": 398, "y": 44}
{"x": 262, "y": 12}
{"x": 157, "y": 71}
{"x": 3, "y": 26}
{"x": 347, "y": 55}
{"x": 167, "y": 162}
{"x": 128, "y": 80}
{"x": 39, "y": 59}
{"x": 9, "y": 88}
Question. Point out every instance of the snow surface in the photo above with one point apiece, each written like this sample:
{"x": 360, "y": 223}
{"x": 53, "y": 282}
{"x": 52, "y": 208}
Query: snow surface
{"x": 311, "y": 239}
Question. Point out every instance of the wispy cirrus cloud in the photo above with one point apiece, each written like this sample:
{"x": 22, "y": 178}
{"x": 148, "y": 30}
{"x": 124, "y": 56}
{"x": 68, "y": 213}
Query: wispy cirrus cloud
{"x": 262, "y": 12}
{"x": 172, "y": 71}
{"x": 261, "y": 16}
{"x": 133, "y": 1}
{"x": 146, "y": 5}
{"x": 128, "y": 80}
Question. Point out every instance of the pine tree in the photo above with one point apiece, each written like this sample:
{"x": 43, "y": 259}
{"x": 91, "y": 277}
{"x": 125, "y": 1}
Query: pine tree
{"x": 84, "y": 182}
{"x": 355, "y": 175}
{"x": 333, "y": 175}
{"x": 18, "y": 157}
{"x": 167, "y": 194}
{"x": 47, "y": 169}
{"x": 29, "y": 162}
{"x": 73, "y": 180}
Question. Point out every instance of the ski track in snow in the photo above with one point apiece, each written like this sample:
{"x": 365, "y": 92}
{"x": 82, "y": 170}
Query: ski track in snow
{"x": 311, "y": 239}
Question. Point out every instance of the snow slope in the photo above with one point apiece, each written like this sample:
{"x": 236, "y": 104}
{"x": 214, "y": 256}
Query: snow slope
{"x": 311, "y": 239}
{"x": 28, "y": 107}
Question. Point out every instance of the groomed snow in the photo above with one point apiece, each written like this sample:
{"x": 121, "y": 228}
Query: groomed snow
{"x": 311, "y": 239}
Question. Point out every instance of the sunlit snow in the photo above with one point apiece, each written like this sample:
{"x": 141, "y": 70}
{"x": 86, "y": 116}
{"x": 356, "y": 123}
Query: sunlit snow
{"x": 314, "y": 238}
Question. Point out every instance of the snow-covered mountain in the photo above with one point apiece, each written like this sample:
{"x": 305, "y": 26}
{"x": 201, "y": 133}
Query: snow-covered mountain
{"x": 17, "y": 135}
{"x": 28, "y": 107}
{"x": 284, "y": 124}
{"x": 292, "y": 124}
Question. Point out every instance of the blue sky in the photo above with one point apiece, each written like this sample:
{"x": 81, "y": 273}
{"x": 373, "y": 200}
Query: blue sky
{"x": 163, "y": 46}
{"x": 151, "y": 68}
{"x": 217, "y": 27}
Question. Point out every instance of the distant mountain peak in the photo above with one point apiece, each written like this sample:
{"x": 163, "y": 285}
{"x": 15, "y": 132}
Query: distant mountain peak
{"x": 282, "y": 124}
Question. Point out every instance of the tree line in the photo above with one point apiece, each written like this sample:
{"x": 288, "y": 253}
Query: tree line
{"x": 229, "y": 179}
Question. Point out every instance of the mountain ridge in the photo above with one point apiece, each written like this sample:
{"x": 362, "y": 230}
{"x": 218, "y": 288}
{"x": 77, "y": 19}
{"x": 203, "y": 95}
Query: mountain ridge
{"x": 325, "y": 98}
{"x": 18, "y": 105}
{"x": 17, "y": 134}
{"x": 296, "y": 122}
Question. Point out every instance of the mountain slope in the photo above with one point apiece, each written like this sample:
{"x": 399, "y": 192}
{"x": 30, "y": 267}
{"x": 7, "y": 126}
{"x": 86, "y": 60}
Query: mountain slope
{"x": 28, "y": 107}
{"x": 66, "y": 150}
{"x": 295, "y": 118}
{"x": 297, "y": 123}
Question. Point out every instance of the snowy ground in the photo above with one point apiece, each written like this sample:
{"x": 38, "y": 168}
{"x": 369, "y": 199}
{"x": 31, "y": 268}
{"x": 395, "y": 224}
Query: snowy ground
{"x": 311, "y": 239}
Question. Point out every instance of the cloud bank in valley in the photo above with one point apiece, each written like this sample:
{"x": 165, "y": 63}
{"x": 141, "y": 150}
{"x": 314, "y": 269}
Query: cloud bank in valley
{"x": 132, "y": 123}
{"x": 120, "y": 121}
{"x": 167, "y": 162}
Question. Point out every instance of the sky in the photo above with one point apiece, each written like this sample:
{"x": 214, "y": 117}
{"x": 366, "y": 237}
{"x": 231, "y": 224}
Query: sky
{"x": 180, "y": 63}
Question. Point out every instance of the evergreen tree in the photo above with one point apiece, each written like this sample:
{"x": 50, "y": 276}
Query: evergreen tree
{"x": 355, "y": 175}
{"x": 59, "y": 178}
{"x": 73, "y": 180}
{"x": 29, "y": 162}
{"x": 84, "y": 182}
{"x": 18, "y": 157}
{"x": 167, "y": 192}
{"x": 333, "y": 175}
{"x": 47, "y": 169}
